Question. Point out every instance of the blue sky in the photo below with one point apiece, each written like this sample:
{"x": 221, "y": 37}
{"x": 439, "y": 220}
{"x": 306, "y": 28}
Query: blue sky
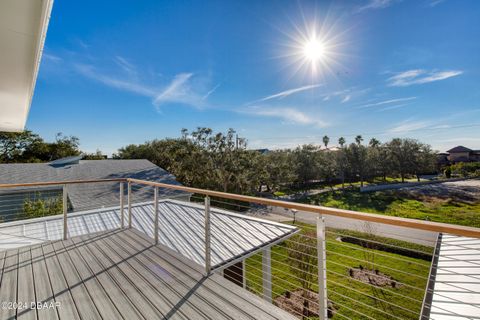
{"x": 121, "y": 72}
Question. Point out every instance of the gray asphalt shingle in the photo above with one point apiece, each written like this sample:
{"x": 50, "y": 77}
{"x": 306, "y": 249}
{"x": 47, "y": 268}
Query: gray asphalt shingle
{"x": 92, "y": 195}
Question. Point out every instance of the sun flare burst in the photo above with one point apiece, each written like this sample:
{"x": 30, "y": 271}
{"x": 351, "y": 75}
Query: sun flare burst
{"x": 314, "y": 50}
{"x": 314, "y": 47}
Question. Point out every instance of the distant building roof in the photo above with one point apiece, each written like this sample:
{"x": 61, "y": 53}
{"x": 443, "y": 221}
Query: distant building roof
{"x": 459, "y": 149}
{"x": 262, "y": 151}
{"x": 94, "y": 195}
{"x": 454, "y": 281}
{"x": 334, "y": 148}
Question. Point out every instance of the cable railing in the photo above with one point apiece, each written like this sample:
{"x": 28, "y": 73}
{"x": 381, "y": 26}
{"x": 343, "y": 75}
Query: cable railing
{"x": 317, "y": 271}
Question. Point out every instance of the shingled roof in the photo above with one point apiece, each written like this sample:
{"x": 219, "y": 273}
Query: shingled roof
{"x": 86, "y": 196}
{"x": 459, "y": 149}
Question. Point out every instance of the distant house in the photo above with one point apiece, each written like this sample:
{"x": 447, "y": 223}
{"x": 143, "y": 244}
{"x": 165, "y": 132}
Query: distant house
{"x": 80, "y": 196}
{"x": 462, "y": 154}
{"x": 329, "y": 149}
{"x": 262, "y": 151}
{"x": 442, "y": 159}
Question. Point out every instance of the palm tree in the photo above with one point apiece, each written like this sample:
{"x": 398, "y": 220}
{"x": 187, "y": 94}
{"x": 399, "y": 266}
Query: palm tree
{"x": 341, "y": 160}
{"x": 326, "y": 140}
{"x": 358, "y": 139}
{"x": 374, "y": 143}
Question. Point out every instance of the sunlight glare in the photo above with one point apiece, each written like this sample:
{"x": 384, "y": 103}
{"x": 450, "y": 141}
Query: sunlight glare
{"x": 314, "y": 50}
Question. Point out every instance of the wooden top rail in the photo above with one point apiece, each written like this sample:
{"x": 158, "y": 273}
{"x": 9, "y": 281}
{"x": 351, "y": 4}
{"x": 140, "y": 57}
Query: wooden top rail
{"x": 54, "y": 183}
{"x": 370, "y": 217}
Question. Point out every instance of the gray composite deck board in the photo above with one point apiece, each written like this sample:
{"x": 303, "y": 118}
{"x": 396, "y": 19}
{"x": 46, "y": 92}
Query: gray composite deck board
{"x": 146, "y": 292}
{"x": 83, "y": 301}
{"x": 8, "y": 289}
{"x": 120, "y": 274}
{"x": 61, "y": 291}
{"x": 201, "y": 296}
{"x": 118, "y": 297}
{"x": 96, "y": 291}
{"x": 222, "y": 290}
{"x": 43, "y": 288}
{"x": 128, "y": 287}
{"x": 177, "y": 293}
{"x": 26, "y": 290}
{"x": 158, "y": 291}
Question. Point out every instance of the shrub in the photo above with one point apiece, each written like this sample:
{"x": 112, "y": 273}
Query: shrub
{"x": 467, "y": 169}
{"x": 448, "y": 172}
{"x": 42, "y": 207}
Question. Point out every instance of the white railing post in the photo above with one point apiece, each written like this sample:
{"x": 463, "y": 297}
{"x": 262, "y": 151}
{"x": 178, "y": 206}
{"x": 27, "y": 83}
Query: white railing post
{"x": 129, "y": 203}
{"x": 207, "y": 236}
{"x": 322, "y": 270}
{"x": 65, "y": 209}
{"x": 155, "y": 229}
{"x": 122, "y": 215}
{"x": 244, "y": 274}
{"x": 267, "y": 274}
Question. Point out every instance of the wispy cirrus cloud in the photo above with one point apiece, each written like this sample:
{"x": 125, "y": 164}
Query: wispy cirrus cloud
{"x": 288, "y": 114}
{"x": 181, "y": 89}
{"x": 345, "y": 95}
{"x": 346, "y": 98}
{"x": 286, "y": 93}
{"x": 120, "y": 83}
{"x": 409, "y": 125}
{"x": 376, "y": 4}
{"x": 211, "y": 91}
{"x": 125, "y": 65}
{"x": 385, "y": 102}
{"x": 420, "y": 76}
{"x": 51, "y": 57}
{"x": 177, "y": 91}
{"x": 434, "y": 3}
{"x": 395, "y": 106}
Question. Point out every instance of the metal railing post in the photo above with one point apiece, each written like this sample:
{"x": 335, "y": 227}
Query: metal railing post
{"x": 65, "y": 209}
{"x": 155, "y": 229}
{"x": 129, "y": 203}
{"x": 207, "y": 236}
{"x": 267, "y": 274}
{"x": 322, "y": 270}
{"x": 122, "y": 211}
{"x": 244, "y": 274}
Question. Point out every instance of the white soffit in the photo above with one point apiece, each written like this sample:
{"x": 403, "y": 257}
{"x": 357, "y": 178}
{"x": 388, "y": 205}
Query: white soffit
{"x": 23, "y": 27}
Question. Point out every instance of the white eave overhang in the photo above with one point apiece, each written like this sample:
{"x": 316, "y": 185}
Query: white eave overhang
{"x": 23, "y": 27}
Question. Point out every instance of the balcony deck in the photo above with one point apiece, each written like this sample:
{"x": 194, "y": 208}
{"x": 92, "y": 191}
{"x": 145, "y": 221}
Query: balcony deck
{"x": 119, "y": 274}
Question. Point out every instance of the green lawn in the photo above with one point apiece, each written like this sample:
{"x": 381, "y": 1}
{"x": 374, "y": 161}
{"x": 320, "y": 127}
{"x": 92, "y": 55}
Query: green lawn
{"x": 397, "y": 204}
{"x": 352, "y": 298}
{"x": 356, "y": 184}
{"x": 378, "y": 180}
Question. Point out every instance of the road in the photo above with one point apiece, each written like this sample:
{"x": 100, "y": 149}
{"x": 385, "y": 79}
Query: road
{"x": 400, "y": 233}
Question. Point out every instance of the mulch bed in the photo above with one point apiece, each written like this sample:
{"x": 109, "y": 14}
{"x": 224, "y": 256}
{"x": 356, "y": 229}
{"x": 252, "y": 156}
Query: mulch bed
{"x": 292, "y": 301}
{"x": 373, "y": 277}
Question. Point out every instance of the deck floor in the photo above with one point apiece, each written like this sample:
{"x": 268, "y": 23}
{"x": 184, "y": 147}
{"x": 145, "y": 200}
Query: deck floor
{"x": 118, "y": 274}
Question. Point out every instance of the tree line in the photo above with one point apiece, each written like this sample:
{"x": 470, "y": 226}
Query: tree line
{"x": 27, "y": 147}
{"x": 221, "y": 161}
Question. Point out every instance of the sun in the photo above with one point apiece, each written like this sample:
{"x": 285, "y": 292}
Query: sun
{"x": 314, "y": 50}
{"x": 315, "y": 47}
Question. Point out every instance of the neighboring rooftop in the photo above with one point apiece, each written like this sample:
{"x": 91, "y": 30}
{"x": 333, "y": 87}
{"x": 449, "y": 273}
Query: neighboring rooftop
{"x": 85, "y": 196}
{"x": 456, "y": 292}
{"x": 459, "y": 149}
